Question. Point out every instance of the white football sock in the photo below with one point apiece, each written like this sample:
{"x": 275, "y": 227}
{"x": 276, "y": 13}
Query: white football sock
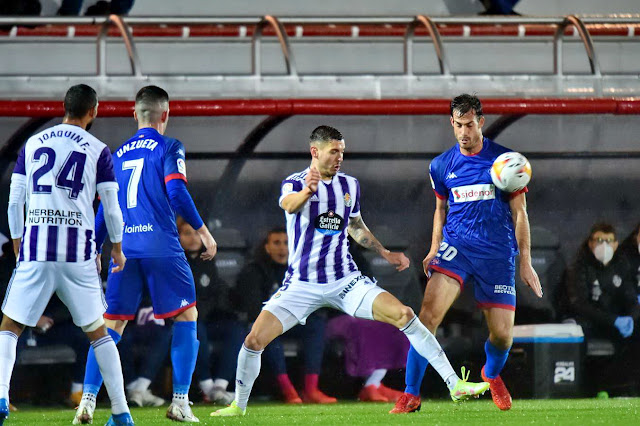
{"x": 376, "y": 377}
{"x": 426, "y": 344}
{"x": 108, "y": 360}
{"x": 246, "y": 374}
{"x": 8, "y": 343}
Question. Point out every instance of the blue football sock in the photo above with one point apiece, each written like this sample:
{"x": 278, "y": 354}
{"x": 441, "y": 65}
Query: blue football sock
{"x": 416, "y": 366}
{"x": 496, "y": 359}
{"x": 184, "y": 352}
{"x": 92, "y": 376}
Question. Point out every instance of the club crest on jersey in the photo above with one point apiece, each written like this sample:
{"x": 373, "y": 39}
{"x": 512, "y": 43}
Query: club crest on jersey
{"x": 329, "y": 223}
{"x": 347, "y": 200}
{"x": 467, "y": 193}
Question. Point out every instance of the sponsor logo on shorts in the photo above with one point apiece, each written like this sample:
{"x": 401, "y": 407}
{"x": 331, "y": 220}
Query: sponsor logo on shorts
{"x": 504, "y": 289}
{"x": 463, "y": 194}
{"x": 329, "y": 223}
{"x": 184, "y": 303}
{"x": 350, "y": 286}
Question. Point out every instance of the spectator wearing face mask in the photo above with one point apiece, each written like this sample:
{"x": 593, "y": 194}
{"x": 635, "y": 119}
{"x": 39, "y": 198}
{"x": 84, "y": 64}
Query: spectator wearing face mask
{"x": 602, "y": 298}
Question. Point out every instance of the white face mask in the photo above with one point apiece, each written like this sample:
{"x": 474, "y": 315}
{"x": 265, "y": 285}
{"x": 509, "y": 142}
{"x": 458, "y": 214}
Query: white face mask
{"x": 603, "y": 252}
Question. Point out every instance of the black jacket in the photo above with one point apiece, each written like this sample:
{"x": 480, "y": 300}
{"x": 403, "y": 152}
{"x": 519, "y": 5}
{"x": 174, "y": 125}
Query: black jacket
{"x": 257, "y": 281}
{"x": 598, "y": 294}
{"x": 629, "y": 250}
{"x": 213, "y": 295}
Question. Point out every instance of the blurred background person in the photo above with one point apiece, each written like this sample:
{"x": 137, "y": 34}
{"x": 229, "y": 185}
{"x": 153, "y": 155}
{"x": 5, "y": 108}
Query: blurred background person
{"x": 217, "y": 321}
{"x": 603, "y": 300}
{"x": 257, "y": 281}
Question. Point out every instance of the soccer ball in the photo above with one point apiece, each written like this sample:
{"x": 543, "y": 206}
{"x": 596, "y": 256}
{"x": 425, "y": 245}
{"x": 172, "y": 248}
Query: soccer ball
{"x": 511, "y": 172}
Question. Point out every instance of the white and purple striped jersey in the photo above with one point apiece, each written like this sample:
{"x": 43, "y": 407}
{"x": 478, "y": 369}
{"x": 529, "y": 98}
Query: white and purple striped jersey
{"x": 318, "y": 243}
{"x": 63, "y": 166}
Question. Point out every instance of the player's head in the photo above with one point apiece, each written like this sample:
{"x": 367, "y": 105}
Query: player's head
{"x": 603, "y": 241}
{"x": 276, "y": 245}
{"x": 467, "y": 121}
{"x": 189, "y": 238}
{"x": 327, "y": 150}
{"x": 152, "y": 108}
{"x": 81, "y": 105}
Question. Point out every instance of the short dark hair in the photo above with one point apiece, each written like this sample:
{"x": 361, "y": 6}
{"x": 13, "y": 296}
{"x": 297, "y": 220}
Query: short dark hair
{"x": 275, "y": 230}
{"x": 150, "y": 102}
{"x": 325, "y": 134}
{"x": 465, "y": 103}
{"x": 604, "y": 227}
{"x": 79, "y": 100}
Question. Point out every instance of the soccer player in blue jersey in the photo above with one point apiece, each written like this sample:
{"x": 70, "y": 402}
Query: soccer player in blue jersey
{"x": 151, "y": 171}
{"x": 56, "y": 176}
{"x": 321, "y": 206}
{"x": 477, "y": 233}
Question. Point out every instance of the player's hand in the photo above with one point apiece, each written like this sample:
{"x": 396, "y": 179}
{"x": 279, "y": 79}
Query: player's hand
{"x": 99, "y": 263}
{"x": 427, "y": 261}
{"x": 210, "y": 245}
{"x": 530, "y": 277}
{"x": 44, "y": 324}
{"x": 312, "y": 179}
{"x": 118, "y": 258}
{"x": 396, "y": 258}
{"x": 16, "y": 247}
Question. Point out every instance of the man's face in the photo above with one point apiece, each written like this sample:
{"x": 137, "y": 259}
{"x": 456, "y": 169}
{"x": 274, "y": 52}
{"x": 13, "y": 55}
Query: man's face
{"x": 329, "y": 156}
{"x": 600, "y": 237}
{"x": 189, "y": 238}
{"x": 468, "y": 130}
{"x": 277, "y": 248}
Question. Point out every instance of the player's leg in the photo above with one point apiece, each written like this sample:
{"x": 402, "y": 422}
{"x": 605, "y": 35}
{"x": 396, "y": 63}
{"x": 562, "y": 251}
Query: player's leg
{"x": 26, "y": 298}
{"x": 80, "y": 289}
{"x": 439, "y": 295}
{"x": 173, "y": 295}
{"x": 500, "y": 323}
{"x": 313, "y": 343}
{"x": 495, "y": 292}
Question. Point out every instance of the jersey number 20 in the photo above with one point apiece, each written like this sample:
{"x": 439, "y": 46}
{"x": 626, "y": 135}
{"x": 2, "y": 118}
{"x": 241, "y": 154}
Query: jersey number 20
{"x": 132, "y": 189}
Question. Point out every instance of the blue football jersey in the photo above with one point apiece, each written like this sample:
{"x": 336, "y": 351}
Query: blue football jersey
{"x": 479, "y": 219}
{"x": 142, "y": 166}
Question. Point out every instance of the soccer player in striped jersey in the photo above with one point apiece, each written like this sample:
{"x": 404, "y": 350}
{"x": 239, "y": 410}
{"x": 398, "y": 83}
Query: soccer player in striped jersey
{"x": 477, "y": 232}
{"x": 322, "y": 205}
{"x": 152, "y": 174}
{"x": 57, "y": 174}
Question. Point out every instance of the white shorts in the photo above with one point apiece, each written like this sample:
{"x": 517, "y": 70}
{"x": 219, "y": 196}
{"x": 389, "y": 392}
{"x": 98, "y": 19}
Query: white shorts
{"x": 353, "y": 294}
{"x": 33, "y": 283}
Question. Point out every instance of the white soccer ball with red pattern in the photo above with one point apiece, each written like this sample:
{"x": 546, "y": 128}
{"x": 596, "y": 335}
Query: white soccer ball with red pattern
{"x": 511, "y": 172}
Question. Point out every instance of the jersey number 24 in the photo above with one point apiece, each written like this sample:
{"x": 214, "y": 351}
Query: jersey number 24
{"x": 69, "y": 177}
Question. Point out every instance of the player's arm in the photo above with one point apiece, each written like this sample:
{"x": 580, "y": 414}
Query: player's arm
{"x": 15, "y": 210}
{"x": 439, "y": 218}
{"x": 17, "y": 198}
{"x": 363, "y": 236}
{"x": 113, "y": 222}
{"x": 518, "y": 205}
{"x": 295, "y": 200}
{"x": 182, "y": 203}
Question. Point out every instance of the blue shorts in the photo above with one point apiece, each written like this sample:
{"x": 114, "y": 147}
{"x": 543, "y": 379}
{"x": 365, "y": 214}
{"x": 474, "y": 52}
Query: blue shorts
{"x": 170, "y": 284}
{"x": 495, "y": 285}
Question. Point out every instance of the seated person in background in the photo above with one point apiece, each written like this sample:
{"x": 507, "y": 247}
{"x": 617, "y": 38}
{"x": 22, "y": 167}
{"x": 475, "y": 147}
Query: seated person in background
{"x": 602, "y": 294}
{"x": 630, "y": 250}
{"x": 257, "y": 281}
{"x": 216, "y": 320}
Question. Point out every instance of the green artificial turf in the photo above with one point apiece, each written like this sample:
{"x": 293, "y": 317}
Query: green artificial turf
{"x": 616, "y": 411}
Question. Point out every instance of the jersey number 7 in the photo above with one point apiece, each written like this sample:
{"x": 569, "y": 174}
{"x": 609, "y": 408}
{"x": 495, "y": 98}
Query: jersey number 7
{"x": 134, "y": 180}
